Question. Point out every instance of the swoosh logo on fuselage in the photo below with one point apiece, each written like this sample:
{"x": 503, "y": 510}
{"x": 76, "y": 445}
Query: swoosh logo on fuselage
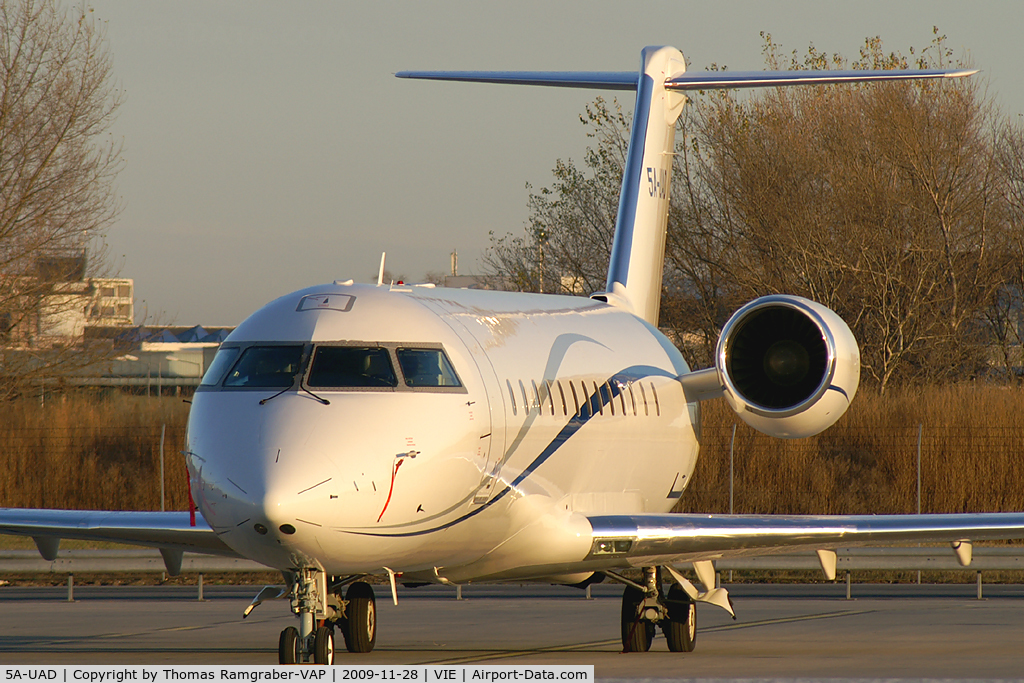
{"x": 593, "y": 405}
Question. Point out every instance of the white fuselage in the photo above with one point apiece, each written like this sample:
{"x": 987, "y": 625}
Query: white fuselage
{"x": 567, "y": 407}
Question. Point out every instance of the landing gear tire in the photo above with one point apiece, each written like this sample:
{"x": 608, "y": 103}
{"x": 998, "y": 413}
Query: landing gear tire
{"x": 360, "y": 618}
{"x": 637, "y": 633}
{"x": 680, "y": 628}
{"x": 323, "y": 645}
{"x": 288, "y": 646}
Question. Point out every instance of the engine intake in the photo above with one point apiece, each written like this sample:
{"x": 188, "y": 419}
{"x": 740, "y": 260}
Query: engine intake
{"x": 789, "y": 366}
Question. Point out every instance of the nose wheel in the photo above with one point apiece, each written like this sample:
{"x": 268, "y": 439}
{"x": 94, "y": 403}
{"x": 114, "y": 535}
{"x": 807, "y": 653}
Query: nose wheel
{"x": 320, "y": 610}
{"x": 360, "y": 625}
{"x": 323, "y": 645}
{"x": 288, "y": 646}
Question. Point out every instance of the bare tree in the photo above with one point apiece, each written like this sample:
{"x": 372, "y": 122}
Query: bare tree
{"x": 880, "y": 202}
{"x": 57, "y": 168}
{"x": 887, "y": 203}
{"x": 565, "y": 246}
{"x": 1005, "y": 312}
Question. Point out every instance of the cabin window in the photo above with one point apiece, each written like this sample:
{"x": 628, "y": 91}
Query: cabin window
{"x": 268, "y": 367}
{"x": 224, "y": 359}
{"x": 586, "y": 405}
{"x": 350, "y": 367}
{"x": 596, "y": 398}
{"x": 622, "y": 396}
{"x": 561, "y": 393}
{"x": 427, "y": 368}
{"x": 657, "y": 404}
{"x": 632, "y": 397}
{"x": 536, "y": 396}
{"x": 512, "y": 395}
{"x": 608, "y": 396}
{"x": 643, "y": 395}
{"x": 575, "y": 398}
{"x": 551, "y": 397}
{"x": 526, "y": 401}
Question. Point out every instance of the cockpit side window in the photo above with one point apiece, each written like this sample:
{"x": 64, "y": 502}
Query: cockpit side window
{"x": 427, "y": 368}
{"x": 268, "y": 367}
{"x": 351, "y": 366}
{"x": 219, "y": 367}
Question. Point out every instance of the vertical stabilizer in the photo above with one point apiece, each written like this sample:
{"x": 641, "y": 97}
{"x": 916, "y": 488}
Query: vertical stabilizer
{"x": 638, "y": 252}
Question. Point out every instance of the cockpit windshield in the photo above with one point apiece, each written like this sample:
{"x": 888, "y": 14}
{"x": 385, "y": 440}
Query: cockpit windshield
{"x": 224, "y": 359}
{"x": 351, "y": 366}
{"x": 342, "y": 365}
{"x": 269, "y": 367}
{"x": 426, "y": 368}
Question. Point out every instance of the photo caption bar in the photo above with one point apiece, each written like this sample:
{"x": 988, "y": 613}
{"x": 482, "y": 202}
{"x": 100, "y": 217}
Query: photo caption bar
{"x": 338, "y": 673}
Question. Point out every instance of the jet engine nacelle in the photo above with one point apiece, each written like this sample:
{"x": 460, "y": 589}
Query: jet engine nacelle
{"x": 789, "y": 366}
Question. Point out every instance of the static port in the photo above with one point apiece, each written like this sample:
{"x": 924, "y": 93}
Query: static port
{"x": 287, "y": 529}
{"x": 260, "y": 529}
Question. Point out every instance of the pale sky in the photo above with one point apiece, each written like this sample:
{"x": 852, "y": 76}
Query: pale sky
{"x": 270, "y": 148}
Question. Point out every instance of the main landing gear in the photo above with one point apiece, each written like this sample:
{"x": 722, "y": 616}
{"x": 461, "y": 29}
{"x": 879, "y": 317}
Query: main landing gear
{"x": 646, "y": 607}
{"x": 323, "y": 607}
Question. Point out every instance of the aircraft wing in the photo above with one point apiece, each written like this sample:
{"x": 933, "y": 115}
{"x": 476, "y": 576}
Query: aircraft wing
{"x": 660, "y": 539}
{"x": 169, "y": 531}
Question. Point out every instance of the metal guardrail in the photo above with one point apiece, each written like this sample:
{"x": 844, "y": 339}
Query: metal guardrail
{"x": 115, "y": 561}
{"x": 886, "y": 559}
{"x": 848, "y": 559}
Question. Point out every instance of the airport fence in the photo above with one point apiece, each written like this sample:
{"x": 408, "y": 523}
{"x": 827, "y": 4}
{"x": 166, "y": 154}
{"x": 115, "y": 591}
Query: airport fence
{"x": 848, "y": 561}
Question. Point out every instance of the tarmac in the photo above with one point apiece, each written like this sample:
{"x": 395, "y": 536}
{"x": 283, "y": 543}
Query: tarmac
{"x": 781, "y": 632}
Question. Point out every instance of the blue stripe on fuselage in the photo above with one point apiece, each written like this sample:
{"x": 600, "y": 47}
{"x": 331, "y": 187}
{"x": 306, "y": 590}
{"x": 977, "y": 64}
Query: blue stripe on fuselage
{"x": 595, "y": 402}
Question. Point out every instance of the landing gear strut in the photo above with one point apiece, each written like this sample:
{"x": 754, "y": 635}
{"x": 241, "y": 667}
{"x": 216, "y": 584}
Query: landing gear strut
{"x": 321, "y": 608}
{"x": 645, "y": 606}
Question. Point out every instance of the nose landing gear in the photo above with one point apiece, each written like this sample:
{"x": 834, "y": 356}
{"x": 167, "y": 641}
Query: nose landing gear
{"x": 320, "y": 610}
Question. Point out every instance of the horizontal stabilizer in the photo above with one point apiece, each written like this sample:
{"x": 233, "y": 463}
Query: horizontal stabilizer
{"x": 600, "y": 80}
{"x": 718, "y": 80}
{"x": 701, "y": 80}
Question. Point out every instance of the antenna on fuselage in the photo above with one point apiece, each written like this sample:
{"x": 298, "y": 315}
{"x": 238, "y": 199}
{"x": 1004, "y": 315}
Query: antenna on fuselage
{"x": 380, "y": 273}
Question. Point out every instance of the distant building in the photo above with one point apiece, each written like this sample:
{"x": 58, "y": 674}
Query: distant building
{"x": 154, "y": 360}
{"x": 55, "y": 305}
{"x": 56, "y": 312}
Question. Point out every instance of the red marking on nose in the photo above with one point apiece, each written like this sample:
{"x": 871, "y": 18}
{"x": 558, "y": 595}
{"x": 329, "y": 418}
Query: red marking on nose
{"x": 394, "y": 472}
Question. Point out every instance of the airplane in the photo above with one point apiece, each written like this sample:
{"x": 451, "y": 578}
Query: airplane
{"x": 451, "y": 436}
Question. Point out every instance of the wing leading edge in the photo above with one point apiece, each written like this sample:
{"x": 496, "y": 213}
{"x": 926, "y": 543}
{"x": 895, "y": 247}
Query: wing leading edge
{"x": 660, "y": 539}
{"x": 170, "y": 531}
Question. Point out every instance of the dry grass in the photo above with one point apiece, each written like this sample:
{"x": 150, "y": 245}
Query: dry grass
{"x": 92, "y": 451}
{"x": 972, "y": 457}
